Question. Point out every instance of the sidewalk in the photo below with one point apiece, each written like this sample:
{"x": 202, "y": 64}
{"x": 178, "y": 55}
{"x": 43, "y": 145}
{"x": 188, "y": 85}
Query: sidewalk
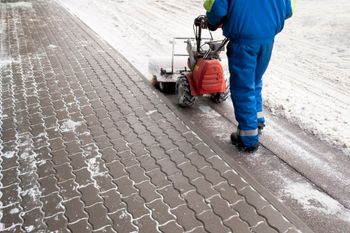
{"x": 88, "y": 146}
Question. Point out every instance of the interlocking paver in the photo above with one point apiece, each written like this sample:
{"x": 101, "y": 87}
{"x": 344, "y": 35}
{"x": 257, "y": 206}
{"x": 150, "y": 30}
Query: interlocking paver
{"x": 171, "y": 227}
{"x": 57, "y": 223}
{"x": 80, "y": 226}
{"x": 33, "y": 221}
{"x": 74, "y": 210}
{"x": 88, "y": 146}
{"x": 98, "y": 217}
{"x": 122, "y": 221}
{"x": 147, "y": 191}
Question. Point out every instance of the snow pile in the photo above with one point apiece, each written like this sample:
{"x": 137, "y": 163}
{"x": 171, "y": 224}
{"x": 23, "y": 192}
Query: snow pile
{"x": 308, "y": 80}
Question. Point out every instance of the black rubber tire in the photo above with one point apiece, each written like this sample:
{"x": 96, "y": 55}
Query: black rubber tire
{"x": 184, "y": 97}
{"x": 219, "y": 97}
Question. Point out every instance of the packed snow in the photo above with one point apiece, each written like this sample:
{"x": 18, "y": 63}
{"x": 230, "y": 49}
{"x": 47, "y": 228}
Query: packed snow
{"x": 308, "y": 81}
{"x": 312, "y": 199}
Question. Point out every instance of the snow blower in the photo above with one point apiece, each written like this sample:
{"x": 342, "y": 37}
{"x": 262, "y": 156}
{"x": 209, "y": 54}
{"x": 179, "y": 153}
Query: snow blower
{"x": 200, "y": 73}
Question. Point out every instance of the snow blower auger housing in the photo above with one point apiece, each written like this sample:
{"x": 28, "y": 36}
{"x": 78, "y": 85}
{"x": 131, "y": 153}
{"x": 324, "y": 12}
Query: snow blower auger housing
{"x": 202, "y": 75}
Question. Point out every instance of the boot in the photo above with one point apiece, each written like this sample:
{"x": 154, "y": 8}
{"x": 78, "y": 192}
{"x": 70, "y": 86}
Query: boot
{"x": 260, "y": 127}
{"x": 235, "y": 140}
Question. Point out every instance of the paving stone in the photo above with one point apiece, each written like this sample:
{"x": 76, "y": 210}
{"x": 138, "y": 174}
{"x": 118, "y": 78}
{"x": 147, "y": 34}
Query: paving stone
{"x": 190, "y": 171}
{"x": 212, "y": 175}
{"x": 157, "y": 152}
{"x": 177, "y": 156}
{"x": 9, "y": 177}
{"x": 160, "y": 211}
{"x": 247, "y": 213}
{"x": 228, "y": 193}
{"x": 10, "y": 195}
{"x": 73, "y": 147}
{"x": 45, "y": 169}
{"x": 104, "y": 182}
{"x": 113, "y": 201}
{"x": 74, "y": 210}
{"x": 48, "y": 185}
{"x": 64, "y": 172}
{"x": 116, "y": 169}
{"x": 122, "y": 221}
{"x": 263, "y": 228}
{"x": 57, "y": 223}
{"x": 103, "y": 142}
{"x": 120, "y": 145}
{"x": 171, "y": 227}
{"x": 212, "y": 222}
{"x": 81, "y": 226}
{"x": 69, "y": 189}
{"x": 77, "y": 161}
{"x": 181, "y": 183}
{"x": 275, "y": 218}
{"x": 90, "y": 195}
{"x": 171, "y": 196}
{"x": 147, "y": 191}
{"x": 146, "y": 224}
{"x": 135, "y": 205}
{"x": 222, "y": 208}
{"x": 147, "y": 139}
{"x": 235, "y": 180}
{"x": 33, "y": 221}
{"x": 137, "y": 174}
{"x": 107, "y": 229}
{"x": 237, "y": 225}
{"x": 83, "y": 177}
{"x": 186, "y": 218}
{"x": 158, "y": 178}
{"x": 168, "y": 166}
{"x": 254, "y": 198}
{"x": 11, "y": 219}
{"x": 98, "y": 216}
{"x": 125, "y": 186}
{"x": 204, "y": 187}
{"x": 196, "y": 202}
{"x": 60, "y": 157}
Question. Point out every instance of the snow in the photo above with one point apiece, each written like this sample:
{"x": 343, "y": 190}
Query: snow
{"x": 8, "y": 154}
{"x": 308, "y": 78}
{"x": 69, "y": 125}
{"x": 312, "y": 199}
{"x": 22, "y": 5}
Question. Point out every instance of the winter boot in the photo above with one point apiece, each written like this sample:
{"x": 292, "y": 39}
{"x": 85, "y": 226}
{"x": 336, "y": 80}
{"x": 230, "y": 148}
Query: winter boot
{"x": 235, "y": 140}
{"x": 261, "y": 126}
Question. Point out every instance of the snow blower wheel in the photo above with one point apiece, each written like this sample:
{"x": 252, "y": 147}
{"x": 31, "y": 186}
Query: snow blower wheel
{"x": 219, "y": 97}
{"x": 184, "y": 97}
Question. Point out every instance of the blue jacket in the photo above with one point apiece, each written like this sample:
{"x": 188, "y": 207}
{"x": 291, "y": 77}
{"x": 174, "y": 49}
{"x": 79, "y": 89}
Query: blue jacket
{"x": 249, "y": 20}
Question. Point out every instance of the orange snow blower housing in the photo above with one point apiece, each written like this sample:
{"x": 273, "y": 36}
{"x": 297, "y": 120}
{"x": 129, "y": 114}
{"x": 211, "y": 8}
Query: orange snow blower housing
{"x": 207, "y": 77}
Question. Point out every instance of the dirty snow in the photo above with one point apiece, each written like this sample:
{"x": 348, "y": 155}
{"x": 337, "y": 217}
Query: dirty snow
{"x": 308, "y": 79}
{"x": 312, "y": 199}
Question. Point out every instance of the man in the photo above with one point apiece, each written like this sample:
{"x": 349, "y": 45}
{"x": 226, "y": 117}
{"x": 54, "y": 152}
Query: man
{"x": 251, "y": 26}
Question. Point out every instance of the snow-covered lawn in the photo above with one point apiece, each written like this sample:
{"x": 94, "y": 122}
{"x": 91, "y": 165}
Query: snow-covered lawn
{"x": 308, "y": 81}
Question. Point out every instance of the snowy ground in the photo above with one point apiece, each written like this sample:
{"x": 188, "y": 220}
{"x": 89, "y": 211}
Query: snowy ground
{"x": 308, "y": 81}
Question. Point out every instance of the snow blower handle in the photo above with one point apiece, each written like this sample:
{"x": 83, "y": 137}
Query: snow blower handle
{"x": 201, "y": 21}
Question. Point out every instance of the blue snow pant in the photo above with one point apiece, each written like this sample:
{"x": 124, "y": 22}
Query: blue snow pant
{"x": 247, "y": 64}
